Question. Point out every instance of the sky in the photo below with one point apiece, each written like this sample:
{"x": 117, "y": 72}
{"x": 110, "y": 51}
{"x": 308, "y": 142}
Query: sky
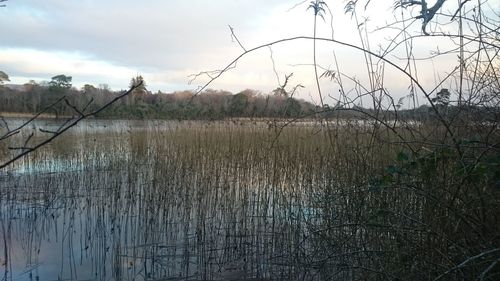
{"x": 109, "y": 42}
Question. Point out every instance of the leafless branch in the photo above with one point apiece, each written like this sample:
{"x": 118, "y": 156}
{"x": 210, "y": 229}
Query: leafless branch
{"x": 64, "y": 127}
{"x": 426, "y": 14}
{"x": 459, "y": 9}
{"x": 352, "y": 46}
{"x": 18, "y": 129}
{"x": 467, "y": 261}
{"x": 73, "y": 107}
{"x": 5, "y": 124}
{"x": 233, "y": 36}
{"x": 296, "y": 5}
{"x": 271, "y": 57}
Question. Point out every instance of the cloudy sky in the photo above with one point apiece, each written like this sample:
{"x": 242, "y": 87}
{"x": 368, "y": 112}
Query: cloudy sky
{"x": 108, "y": 42}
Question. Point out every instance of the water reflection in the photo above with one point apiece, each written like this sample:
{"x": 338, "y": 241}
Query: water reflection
{"x": 153, "y": 201}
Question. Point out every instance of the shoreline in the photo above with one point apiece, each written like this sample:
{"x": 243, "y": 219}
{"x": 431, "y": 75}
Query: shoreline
{"x": 228, "y": 119}
{"x": 27, "y": 115}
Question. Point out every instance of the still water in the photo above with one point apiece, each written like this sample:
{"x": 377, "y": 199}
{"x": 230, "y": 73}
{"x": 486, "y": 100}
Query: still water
{"x": 133, "y": 200}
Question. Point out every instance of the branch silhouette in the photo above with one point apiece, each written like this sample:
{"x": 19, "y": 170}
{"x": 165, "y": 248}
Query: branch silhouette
{"x": 63, "y": 128}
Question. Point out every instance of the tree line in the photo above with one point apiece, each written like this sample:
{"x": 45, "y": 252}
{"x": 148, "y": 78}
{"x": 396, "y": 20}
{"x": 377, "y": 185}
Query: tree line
{"x": 33, "y": 97}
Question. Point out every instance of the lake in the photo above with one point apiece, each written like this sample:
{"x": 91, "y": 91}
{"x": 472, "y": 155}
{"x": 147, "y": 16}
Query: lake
{"x": 158, "y": 200}
{"x": 244, "y": 200}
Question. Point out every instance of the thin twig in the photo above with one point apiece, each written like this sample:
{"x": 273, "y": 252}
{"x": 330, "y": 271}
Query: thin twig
{"x": 297, "y": 38}
{"x": 464, "y": 263}
{"x": 233, "y": 36}
{"x": 61, "y": 130}
{"x": 16, "y": 130}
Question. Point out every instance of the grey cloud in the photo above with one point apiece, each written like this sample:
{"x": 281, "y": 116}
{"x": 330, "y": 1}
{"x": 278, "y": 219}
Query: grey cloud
{"x": 144, "y": 34}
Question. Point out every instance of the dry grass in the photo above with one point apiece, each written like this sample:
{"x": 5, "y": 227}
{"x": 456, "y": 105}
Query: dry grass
{"x": 227, "y": 201}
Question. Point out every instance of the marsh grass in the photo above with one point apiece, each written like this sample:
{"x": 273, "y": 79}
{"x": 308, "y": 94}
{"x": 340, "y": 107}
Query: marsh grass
{"x": 225, "y": 201}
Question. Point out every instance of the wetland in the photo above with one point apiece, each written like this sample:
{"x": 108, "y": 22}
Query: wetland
{"x": 212, "y": 200}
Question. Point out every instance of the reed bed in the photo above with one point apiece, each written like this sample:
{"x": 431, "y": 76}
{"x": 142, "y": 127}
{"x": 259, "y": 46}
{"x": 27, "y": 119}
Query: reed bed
{"x": 215, "y": 201}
